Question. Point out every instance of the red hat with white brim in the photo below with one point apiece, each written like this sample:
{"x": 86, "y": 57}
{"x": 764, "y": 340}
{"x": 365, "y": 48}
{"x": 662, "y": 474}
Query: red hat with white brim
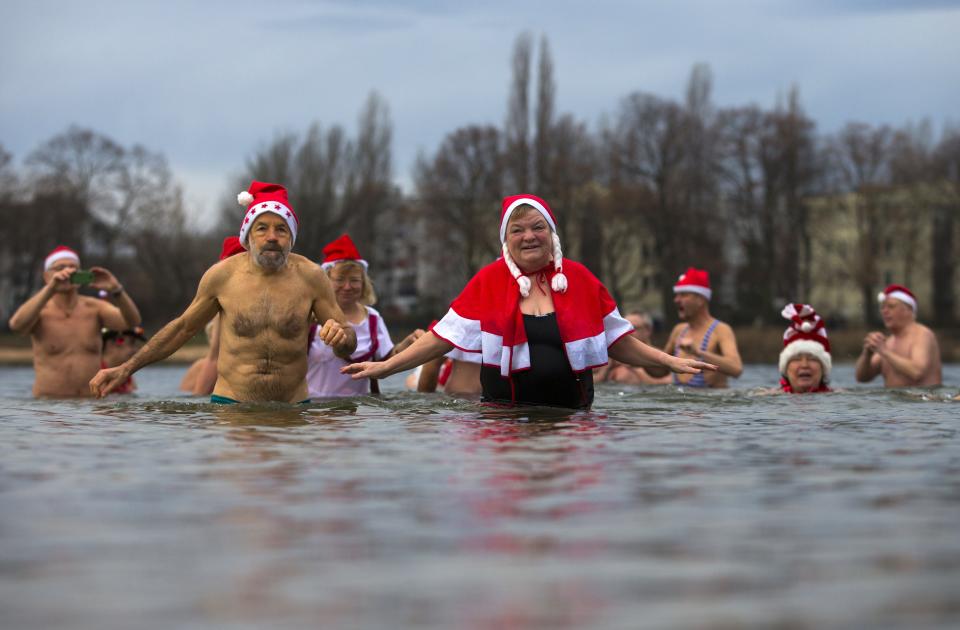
{"x": 60, "y": 253}
{"x": 694, "y": 280}
{"x": 340, "y": 250}
{"x": 899, "y": 292}
{"x": 806, "y": 334}
{"x": 261, "y": 198}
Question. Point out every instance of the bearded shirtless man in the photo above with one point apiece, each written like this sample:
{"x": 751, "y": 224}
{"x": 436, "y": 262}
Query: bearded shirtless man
{"x": 267, "y": 300}
{"x": 910, "y": 356}
{"x": 64, "y": 326}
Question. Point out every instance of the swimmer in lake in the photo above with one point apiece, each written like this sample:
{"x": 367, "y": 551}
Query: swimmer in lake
{"x": 355, "y": 295}
{"x": 539, "y": 322}
{"x": 65, "y": 326}
{"x": 616, "y": 372}
{"x": 805, "y": 361}
{"x": 700, "y": 335}
{"x": 910, "y": 355}
{"x": 266, "y": 300}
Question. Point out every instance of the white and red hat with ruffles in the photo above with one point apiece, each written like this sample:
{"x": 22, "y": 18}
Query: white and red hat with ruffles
{"x": 806, "y": 334}
{"x": 60, "y": 253}
{"x": 261, "y": 198}
{"x": 559, "y": 281}
{"x": 694, "y": 280}
{"x": 899, "y": 292}
{"x": 340, "y": 250}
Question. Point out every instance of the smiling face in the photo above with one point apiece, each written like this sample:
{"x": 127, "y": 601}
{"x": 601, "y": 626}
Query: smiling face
{"x": 804, "y": 373}
{"x": 270, "y": 241}
{"x": 348, "y": 283}
{"x": 529, "y": 239}
{"x": 895, "y": 314}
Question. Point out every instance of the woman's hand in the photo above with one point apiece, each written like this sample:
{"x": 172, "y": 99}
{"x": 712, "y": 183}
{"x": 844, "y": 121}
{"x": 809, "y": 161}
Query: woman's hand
{"x": 690, "y": 366}
{"x": 366, "y": 369}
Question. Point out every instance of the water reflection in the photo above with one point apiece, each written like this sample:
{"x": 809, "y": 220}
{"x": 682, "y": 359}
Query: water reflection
{"x": 675, "y": 508}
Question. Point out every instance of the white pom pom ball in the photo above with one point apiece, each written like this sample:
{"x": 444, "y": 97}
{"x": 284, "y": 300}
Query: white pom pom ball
{"x": 244, "y": 199}
{"x": 807, "y": 326}
{"x": 559, "y": 283}
{"x": 524, "y": 283}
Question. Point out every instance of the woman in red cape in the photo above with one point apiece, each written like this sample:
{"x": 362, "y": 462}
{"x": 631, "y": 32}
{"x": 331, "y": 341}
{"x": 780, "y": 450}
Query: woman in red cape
{"x": 540, "y": 323}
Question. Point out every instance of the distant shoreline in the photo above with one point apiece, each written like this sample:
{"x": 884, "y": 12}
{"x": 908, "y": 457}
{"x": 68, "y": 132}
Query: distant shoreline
{"x": 757, "y": 345}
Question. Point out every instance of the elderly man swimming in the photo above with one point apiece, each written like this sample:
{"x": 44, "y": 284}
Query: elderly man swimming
{"x": 266, "y": 300}
{"x": 910, "y": 356}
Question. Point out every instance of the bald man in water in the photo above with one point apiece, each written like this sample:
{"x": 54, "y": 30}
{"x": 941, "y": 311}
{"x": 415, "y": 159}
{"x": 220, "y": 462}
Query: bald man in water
{"x": 64, "y": 326}
{"x": 267, "y": 300}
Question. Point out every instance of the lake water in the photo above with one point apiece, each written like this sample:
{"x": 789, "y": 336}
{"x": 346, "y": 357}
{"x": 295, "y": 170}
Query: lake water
{"x": 662, "y": 508}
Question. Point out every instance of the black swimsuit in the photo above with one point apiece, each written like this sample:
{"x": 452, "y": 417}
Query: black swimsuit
{"x": 549, "y": 381}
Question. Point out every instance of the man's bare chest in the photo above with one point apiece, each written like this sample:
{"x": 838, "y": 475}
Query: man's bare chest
{"x": 69, "y": 331}
{"x": 268, "y": 312}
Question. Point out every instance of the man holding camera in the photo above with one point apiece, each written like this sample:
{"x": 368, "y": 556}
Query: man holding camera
{"x": 64, "y": 326}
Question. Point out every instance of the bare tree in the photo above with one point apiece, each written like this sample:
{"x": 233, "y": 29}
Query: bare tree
{"x": 946, "y": 217}
{"x": 861, "y": 157}
{"x": 81, "y": 163}
{"x": 370, "y": 196}
{"x": 459, "y": 191}
{"x": 543, "y": 154}
{"x": 517, "y": 134}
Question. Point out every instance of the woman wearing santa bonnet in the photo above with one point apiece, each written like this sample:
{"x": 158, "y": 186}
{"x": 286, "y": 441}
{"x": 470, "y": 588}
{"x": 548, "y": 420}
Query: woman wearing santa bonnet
{"x": 805, "y": 361}
{"x": 540, "y": 323}
{"x": 354, "y": 292}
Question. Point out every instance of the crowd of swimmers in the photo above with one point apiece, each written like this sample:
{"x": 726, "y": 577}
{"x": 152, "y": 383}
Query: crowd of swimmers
{"x": 530, "y": 328}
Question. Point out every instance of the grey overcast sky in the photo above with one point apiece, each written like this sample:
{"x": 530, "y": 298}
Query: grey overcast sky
{"x": 205, "y": 83}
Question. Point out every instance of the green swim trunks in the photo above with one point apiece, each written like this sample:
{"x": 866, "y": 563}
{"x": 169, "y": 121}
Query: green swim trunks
{"x": 223, "y": 400}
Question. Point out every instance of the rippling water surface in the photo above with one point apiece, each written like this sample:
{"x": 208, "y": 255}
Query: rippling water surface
{"x": 662, "y": 508}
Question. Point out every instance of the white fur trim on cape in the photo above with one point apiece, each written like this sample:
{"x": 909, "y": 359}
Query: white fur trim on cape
{"x": 806, "y": 346}
{"x": 459, "y": 331}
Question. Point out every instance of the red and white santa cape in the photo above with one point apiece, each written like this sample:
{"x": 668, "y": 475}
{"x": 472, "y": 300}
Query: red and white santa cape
{"x": 485, "y": 318}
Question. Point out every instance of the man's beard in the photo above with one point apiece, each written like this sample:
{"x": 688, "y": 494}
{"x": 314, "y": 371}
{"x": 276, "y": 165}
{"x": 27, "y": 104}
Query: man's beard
{"x": 270, "y": 257}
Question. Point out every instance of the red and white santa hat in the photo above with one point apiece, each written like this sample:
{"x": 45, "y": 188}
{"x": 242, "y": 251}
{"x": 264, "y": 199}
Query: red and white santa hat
{"x": 694, "y": 280}
{"x": 231, "y": 247}
{"x": 60, "y": 253}
{"x": 509, "y": 204}
{"x": 899, "y": 292}
{"x": 262, "y": 197}
{"x": 806, "y": 334}
{"x": 340, "y": 250}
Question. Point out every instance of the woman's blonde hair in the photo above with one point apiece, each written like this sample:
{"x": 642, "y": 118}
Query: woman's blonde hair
{"x": 368, "y": 297}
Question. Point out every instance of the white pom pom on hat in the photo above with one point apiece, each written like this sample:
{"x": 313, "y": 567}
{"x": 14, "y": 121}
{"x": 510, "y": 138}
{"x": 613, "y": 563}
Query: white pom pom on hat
{"x": 244, "y": 199}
